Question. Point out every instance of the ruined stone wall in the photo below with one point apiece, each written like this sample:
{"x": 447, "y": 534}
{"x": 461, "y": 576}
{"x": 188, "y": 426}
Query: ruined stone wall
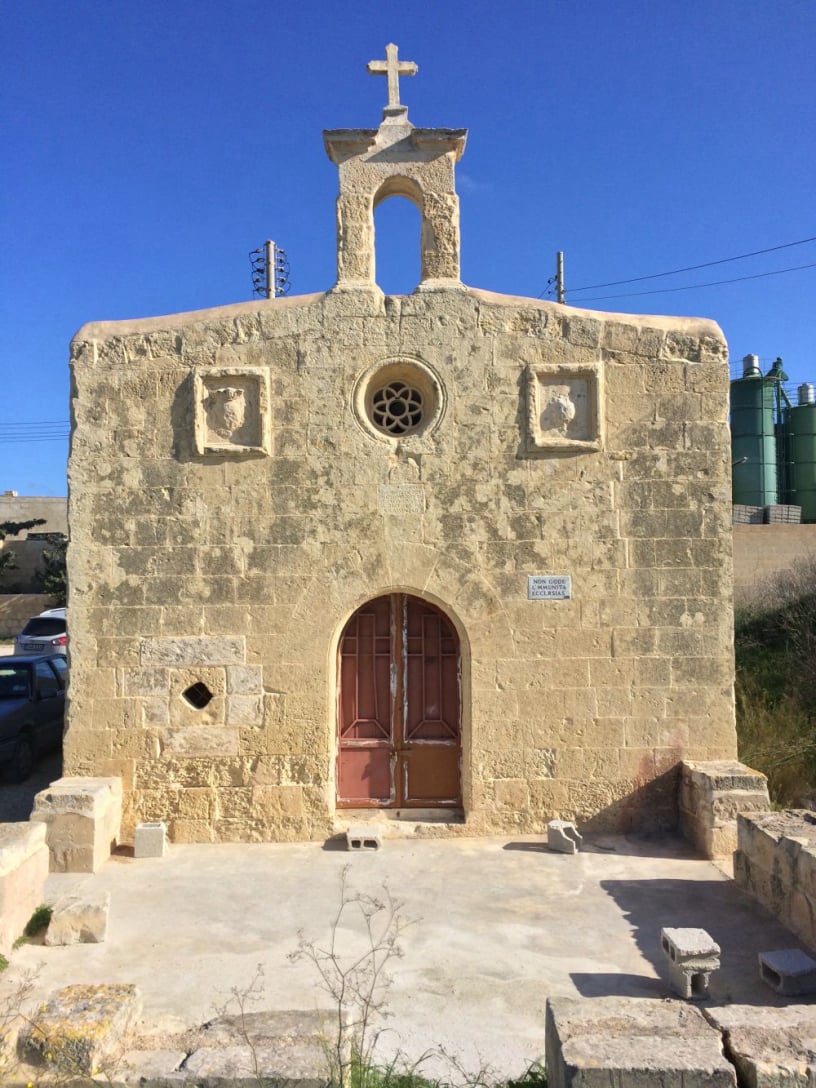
{"x": 231, "y": 506}
{"x": 763, "y": 551}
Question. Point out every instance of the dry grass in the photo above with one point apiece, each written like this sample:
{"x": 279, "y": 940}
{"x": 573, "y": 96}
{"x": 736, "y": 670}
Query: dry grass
{"x": 775, "y": 688}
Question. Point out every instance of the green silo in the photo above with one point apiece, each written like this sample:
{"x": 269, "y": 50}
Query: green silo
{"x": 753, "y": 439}
{"x": 801, "y": 441}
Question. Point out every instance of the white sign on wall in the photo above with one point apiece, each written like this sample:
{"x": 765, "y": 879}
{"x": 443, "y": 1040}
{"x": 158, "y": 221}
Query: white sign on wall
{"x": 549, "y": 587}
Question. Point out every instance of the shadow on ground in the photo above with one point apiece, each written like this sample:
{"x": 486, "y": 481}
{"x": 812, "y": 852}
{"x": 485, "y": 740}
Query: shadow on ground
{"x": 739, "y": 925}
{"x": 663, "y": 845}
{"x": 17, "y": 800}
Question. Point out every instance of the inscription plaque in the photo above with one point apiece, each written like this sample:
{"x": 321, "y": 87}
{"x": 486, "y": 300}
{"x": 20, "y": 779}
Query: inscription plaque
{"x": 401, "y": 499}
{"x": 549, "y": 587}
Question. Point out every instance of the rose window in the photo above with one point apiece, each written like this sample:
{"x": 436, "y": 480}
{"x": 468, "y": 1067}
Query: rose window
{"x": 397, "y": 408}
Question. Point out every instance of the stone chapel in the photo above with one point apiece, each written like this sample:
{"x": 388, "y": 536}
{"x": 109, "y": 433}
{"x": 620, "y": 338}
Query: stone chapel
{"x": 456, "y": 558}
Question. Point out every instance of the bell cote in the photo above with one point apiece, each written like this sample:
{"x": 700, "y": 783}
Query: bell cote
{"x": 396, "y": 159}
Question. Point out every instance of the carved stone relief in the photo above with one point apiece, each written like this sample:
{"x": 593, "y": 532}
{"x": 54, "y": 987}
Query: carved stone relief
{"x": 564, "y": 407}
{"x": 232, "y": 412}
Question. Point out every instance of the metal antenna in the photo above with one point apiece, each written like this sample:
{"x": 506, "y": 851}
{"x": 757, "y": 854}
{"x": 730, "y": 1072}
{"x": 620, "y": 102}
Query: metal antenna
{"x": 270, "y": 270}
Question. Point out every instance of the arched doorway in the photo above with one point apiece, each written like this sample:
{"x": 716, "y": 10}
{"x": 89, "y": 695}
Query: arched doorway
{"x": 399, "y": 707}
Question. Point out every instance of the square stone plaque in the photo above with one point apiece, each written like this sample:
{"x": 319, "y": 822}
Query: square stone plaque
{"x": 231, "y": 412}
{"x": 564, "y": 407}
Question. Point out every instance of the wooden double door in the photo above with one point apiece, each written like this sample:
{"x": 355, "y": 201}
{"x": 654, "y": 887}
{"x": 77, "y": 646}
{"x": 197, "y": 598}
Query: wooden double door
{"x": 399, "y": 707}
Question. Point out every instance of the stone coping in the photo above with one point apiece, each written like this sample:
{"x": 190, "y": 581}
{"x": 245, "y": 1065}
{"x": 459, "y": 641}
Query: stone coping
{"x": 18, "y": 842}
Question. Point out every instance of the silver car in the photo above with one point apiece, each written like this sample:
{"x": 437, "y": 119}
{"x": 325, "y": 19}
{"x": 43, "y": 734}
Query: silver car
{"x": 43, "y": 634}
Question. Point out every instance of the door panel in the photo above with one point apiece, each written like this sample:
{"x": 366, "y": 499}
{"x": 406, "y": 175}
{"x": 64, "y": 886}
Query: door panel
{"x": 430, "y": 775}
{"x": 365, "y": 776}
{"x": 398, "y": 707}
{"x": 365, "y": 711}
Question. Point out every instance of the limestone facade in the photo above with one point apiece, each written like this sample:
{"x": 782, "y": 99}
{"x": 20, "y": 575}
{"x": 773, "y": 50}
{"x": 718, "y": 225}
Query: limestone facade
{"x": 238, "y": 489}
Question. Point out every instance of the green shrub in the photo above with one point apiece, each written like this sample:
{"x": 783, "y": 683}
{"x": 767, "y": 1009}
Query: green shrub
{"x": 38, "y": 921}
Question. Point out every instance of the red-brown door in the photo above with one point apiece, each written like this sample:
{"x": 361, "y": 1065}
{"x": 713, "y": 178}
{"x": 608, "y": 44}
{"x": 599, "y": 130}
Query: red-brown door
{"x": 399, "y": 734}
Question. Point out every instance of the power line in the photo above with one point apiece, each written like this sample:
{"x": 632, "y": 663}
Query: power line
{"x": 47, "y": 430}
{"x": 689, "y": 268}
{"x": 695, "y": 286}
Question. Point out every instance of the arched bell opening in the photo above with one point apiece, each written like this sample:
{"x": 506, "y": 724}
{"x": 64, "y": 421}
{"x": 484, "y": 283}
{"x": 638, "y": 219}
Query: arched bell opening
{"x": 399, "y": 707}
{"x": 398, "y": 231}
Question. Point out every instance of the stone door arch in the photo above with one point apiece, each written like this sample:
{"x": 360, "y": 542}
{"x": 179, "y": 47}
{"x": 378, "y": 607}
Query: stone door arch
{"x": 399, "y": 707}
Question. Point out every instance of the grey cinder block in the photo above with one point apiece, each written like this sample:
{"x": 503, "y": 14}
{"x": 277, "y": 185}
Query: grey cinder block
{"x": 364, "y": 837}
{"x": 788, "y": 971}
{"x": 562, "y": 835}
{"x": 150, "y": 840}
{"x": 692, "y": 955}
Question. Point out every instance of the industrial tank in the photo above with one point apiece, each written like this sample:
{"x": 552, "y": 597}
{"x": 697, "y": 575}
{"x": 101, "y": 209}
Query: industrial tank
{"x": 753, "y": 438}
{"x": 800, "y": 427}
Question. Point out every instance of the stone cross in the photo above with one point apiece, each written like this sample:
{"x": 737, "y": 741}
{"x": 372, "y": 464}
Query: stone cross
{"x": 393, "y": 68}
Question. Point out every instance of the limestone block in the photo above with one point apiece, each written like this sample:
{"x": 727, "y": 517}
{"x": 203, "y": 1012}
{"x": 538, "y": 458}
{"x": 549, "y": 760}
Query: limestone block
{"x": 23, "y": 873}
{"x": 692, "y": 955}
{"x": 773, "y": 863}
{"x": 712, "y": 794}
{"x": 199, "y": 651}
{"x": 79, "y": 919}
{"x": 563, "y": 836}
{"x": 80, "y": 1027}
{"x": 83, "y": 817}
{"x": 150, "y": 840}
{"x": 628, "y": 1043}
{"x": 770, "y": 1047}
{"x": 364, "y": 837}
{"x": 788, "y": 971}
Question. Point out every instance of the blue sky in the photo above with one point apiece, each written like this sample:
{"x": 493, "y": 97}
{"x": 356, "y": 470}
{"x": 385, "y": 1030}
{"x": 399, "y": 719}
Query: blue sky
{"x": 150, "y": 144}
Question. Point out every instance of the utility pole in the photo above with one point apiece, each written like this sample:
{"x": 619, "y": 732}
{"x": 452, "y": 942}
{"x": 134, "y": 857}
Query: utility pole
{"x": 269, "y": 255}
{"x": 270, "y": 270}
{"x": 559, "y": 277}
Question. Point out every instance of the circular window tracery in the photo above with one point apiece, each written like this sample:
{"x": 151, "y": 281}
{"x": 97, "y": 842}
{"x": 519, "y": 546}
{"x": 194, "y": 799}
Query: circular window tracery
{"x": 399, "y": 398}
{"x": 396, "y": 408}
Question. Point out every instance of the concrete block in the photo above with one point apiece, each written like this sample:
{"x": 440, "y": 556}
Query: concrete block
{"x": 150, "y": 840}
{"x": 364, "y": 837}
{"x": 630, "y": 1043}
{"x": 563, "y": 836}
{"x": 23, "y": 873}
{"x": 83, "y": 817}
{"x": 788, "y": 971}
{"x": 692, "y": 955}
{"x": 80, "y": 1027}
{"x": 79, "y": 919}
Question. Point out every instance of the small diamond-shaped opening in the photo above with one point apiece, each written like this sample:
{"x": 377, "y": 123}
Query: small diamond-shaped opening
{"x": 198, "y": 695}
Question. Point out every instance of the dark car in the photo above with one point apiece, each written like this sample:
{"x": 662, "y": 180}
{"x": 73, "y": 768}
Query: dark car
{"x": 32, "y": 709}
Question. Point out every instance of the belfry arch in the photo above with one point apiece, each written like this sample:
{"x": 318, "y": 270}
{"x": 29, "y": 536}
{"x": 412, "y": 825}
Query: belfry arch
{"x": 398, "y": 223}
{"x": 396, "y": 159}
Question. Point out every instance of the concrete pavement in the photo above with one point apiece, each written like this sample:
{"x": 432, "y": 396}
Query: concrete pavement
{"x": 497, "y": 926}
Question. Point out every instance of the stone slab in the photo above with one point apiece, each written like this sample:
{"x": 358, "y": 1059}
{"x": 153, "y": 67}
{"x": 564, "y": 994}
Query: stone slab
{"x": 81, "y": 1028}
{"x": 770, "y": 1047}
{"x": 628, "y": 1043}
{"x": 79, "y": 919}
{"x": 83, "y": 817}
{"x": 299, "y": 1062}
